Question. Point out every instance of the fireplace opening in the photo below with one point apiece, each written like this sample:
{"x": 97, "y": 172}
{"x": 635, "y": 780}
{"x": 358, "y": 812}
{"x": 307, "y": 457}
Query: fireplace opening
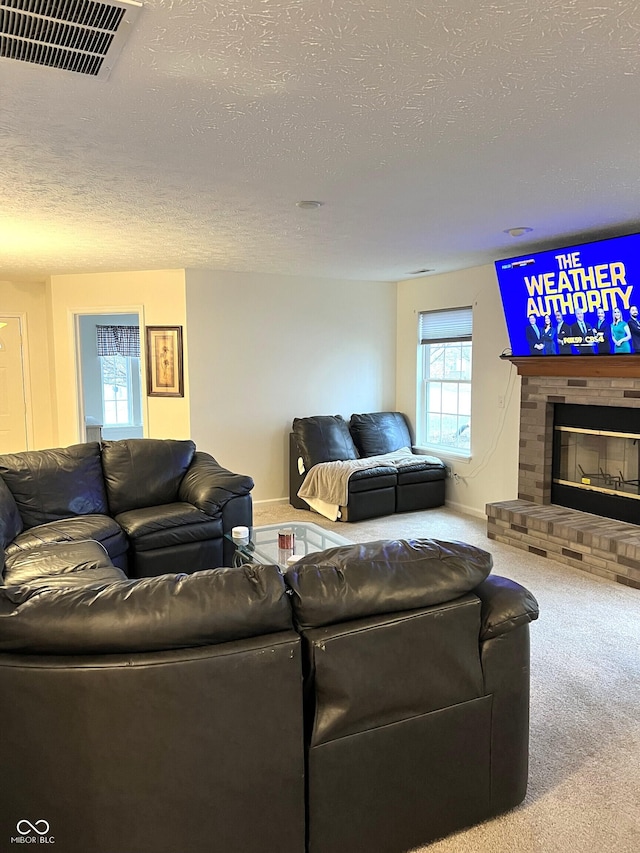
{"x": 596, "y": 460}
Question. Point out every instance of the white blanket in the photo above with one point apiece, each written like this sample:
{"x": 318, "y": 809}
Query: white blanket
{"x": 326, "y": 486}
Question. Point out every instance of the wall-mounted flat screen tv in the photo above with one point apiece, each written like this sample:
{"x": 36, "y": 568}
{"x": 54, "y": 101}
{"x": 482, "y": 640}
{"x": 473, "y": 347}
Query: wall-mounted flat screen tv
{"x": 578, "y": 300}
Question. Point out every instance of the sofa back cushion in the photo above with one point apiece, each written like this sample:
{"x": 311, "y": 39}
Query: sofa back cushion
{"x": 385, "y": 576}
{"x": 323, "y": 438}
{"x": 151, "y": 614}
{"x": 49, "y": 485}
{"x": 142, "y": 472}
{"x": 379, "y": 432}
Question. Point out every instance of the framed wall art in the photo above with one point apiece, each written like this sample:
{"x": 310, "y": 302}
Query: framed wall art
{"x": 164, "y": 361}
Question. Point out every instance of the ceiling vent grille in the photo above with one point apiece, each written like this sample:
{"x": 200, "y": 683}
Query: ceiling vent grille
{"x": 73, "y": 35}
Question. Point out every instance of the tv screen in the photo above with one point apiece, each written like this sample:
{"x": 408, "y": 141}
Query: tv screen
{"x": 579, "y": 300}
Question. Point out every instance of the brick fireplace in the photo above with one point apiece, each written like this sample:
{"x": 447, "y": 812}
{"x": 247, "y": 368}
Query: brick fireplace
{"x": 595, "y": 544}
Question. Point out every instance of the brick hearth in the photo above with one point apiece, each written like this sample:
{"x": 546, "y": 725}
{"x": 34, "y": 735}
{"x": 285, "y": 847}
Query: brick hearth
{"x": 598, "y": 545}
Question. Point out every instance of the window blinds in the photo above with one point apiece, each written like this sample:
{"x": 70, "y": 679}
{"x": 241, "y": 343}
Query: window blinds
{"x": 119, "y": 340}
{"x": 453, "y": 324}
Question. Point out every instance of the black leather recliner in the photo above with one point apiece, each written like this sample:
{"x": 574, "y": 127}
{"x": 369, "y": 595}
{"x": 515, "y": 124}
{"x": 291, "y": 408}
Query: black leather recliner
{"x": 417, "y": 687}
{"x": 419, "y": 486}
{"x": 372, "y": 491}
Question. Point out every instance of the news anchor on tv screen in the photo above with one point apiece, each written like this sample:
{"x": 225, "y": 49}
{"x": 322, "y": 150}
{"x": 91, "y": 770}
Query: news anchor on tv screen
{"x": 581, "y": 300}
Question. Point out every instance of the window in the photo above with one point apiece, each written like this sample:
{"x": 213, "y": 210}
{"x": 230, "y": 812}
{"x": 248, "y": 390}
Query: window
{"x": 116, "y": 390}
{"x": 119, "y": 352}
{"x": 444, "y": 369}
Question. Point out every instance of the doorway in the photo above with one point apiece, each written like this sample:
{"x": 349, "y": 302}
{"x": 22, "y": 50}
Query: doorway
{"x": 13, "y": 399}
{"x": 111, "y": 398}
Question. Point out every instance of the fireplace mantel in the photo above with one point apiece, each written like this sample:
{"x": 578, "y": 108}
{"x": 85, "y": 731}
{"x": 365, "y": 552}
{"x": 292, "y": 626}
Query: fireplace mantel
{"x": 617, "y": 366}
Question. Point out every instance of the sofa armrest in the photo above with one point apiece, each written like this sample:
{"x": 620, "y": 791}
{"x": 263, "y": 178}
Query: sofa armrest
{"x": 505, "y": 605}
{"x": 208, "y": 486}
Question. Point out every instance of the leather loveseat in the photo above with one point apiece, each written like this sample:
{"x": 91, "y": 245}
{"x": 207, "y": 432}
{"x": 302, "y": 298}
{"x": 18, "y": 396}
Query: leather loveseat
{"x": 155, "y": 505}
{"x": 375, "y": 697}
{"x": 379, "y": 488}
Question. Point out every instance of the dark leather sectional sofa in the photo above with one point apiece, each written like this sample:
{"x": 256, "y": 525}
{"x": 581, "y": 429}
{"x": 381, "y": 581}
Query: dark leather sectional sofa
{"x": 375, "y": 697}
{"x": 373, "y": 491}
{"x": 154, "y": 505}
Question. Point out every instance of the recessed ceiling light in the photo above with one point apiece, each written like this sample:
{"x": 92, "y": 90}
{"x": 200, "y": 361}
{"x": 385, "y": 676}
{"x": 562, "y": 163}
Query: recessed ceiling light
{"x": 309, "y": 205}
{"x": 419, "y": 272}
{"x": 518, "y": 232}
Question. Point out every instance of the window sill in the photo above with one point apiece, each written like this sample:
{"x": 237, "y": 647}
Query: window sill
{"x": 443, "y": 453}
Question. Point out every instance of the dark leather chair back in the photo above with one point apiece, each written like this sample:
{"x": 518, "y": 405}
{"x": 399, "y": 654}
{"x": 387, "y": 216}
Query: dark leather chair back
{"x": 323, "y": 438}
{"x": 144, "y": 472}
{"x": 375, "y": 433}
{"x": 49, "y": 485}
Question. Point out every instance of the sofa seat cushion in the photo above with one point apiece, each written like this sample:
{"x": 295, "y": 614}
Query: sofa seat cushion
{"x": 150, "y": 614}
{"x": 101, "y": 528}
{"x": 422, "y": 472}
{"x": 171, "y": 524}
{"x": 367, "y": 479}
{"x": 61, "y": 564}
{"x": 59, "y": 483}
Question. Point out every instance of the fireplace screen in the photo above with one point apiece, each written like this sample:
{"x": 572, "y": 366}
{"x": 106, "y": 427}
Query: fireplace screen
{"x": 598, "y": 461}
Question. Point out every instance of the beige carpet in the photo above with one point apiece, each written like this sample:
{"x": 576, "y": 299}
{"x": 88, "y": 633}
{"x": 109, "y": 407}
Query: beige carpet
{"x": 584, "y": 776}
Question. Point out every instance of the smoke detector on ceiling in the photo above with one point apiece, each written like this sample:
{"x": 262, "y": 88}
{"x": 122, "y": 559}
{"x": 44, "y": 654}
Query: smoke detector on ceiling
{"x": 73, "y": 35}
{"x": 518, "y": 231}
{"x": 309, "y": 205}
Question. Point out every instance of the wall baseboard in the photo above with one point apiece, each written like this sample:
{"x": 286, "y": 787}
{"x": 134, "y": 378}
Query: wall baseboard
{"x": 466, "y": 510}
{"x": 454, "y": 505}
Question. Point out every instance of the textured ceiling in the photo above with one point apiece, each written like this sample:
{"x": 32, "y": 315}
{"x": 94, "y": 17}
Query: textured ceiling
{"x": 426, "y": 131}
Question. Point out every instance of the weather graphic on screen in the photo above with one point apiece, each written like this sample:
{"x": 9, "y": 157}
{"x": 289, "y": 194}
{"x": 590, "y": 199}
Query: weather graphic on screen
{"x": 581, "y": 300}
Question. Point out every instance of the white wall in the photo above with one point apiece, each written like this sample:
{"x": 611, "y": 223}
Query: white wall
{"x": 492, "y": 472}
{"x": 261, "y": 350}
{"x": 158, "y": 297}
{"x": 265, "y": 349}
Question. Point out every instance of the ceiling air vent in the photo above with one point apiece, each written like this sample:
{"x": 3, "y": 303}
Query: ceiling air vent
{"x": 73, "y": 35}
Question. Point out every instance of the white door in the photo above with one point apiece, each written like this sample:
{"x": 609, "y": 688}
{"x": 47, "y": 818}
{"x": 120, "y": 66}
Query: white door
{"x": 13, "y": 411}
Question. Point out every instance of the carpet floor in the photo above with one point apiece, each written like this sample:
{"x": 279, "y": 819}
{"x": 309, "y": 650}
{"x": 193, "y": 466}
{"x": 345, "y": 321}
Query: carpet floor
{"x": 584, "y": 772}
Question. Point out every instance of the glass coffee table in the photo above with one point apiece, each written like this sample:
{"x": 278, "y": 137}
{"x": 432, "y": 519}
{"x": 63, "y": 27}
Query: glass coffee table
{"x": 263, "y": 543}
